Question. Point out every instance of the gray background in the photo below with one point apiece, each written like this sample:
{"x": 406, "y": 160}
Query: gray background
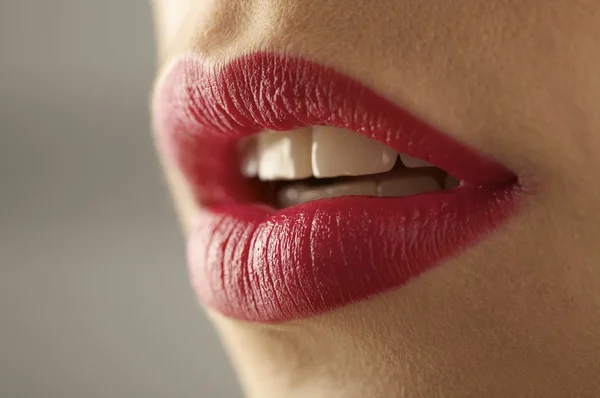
{"x": 94, "y": 300}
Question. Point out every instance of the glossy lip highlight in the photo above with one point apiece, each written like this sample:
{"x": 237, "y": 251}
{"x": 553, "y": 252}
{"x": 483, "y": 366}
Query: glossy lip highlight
{"x": 252, "y": 263}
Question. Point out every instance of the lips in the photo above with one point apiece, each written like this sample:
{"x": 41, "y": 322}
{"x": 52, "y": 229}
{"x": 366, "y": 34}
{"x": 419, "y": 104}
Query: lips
{"x": 254, "y": 263}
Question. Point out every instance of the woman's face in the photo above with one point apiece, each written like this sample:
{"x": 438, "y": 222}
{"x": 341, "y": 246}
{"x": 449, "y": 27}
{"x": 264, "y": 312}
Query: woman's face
{"x": 491, "y": 288}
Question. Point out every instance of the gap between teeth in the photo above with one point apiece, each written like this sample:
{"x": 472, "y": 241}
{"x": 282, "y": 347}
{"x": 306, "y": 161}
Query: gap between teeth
{"x": 320, "y": 152}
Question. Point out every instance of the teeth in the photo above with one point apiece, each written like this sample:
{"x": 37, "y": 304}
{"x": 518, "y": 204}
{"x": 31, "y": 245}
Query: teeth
{"x": 249, "y": 158}
{"x": 396, "y": 186}
{"x": 285, "y": 155}
{"x": 407, "y": 185}
{"x": 301, "y": 193}
{"x": 339, "y": 152}
{"x": 411, "y": 162}
{"x": 333, "y": 152}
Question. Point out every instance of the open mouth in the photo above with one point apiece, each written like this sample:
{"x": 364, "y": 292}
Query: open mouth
{"x": 326, "y": 162}
{"x": 314, "y": 190}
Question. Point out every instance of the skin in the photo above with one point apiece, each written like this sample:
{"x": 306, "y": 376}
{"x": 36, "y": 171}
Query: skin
{"x": 514, "y": 316}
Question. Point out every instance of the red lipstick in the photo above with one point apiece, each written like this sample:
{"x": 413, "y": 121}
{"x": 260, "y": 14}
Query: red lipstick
{"x": 253, "y": 263}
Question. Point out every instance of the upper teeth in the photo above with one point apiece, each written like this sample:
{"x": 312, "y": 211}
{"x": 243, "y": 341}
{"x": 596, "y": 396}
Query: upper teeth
{"x": 284, "y": 156}
{"x": 338, "y": 152}
{"x": 320, "y": 151}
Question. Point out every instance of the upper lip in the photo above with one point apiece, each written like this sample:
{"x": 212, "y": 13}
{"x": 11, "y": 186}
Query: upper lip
{"x": 200, "y": 116}
{"x": 211, "y": 111}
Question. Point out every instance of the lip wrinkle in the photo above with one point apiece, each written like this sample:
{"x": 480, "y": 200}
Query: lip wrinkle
{"x": 341, "y": 244}
{"x": 257, "y": 255}
{"x": 222, "y": 267}
{"x": 240, "y": 281}
{"x": 315, "y": 265}
{"x": 303, "y": 251}
{"x": 240, "y": 274}
{"x": 274, "y": 284}
{"x": 283, "y": 280}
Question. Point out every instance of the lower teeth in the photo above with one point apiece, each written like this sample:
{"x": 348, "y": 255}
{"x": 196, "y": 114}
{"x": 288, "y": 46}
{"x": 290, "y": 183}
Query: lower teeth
{"x": 405, "y": 183}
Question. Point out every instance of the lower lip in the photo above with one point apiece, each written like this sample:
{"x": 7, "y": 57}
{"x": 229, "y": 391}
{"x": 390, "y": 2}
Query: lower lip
{"x": 253, "y": 264}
